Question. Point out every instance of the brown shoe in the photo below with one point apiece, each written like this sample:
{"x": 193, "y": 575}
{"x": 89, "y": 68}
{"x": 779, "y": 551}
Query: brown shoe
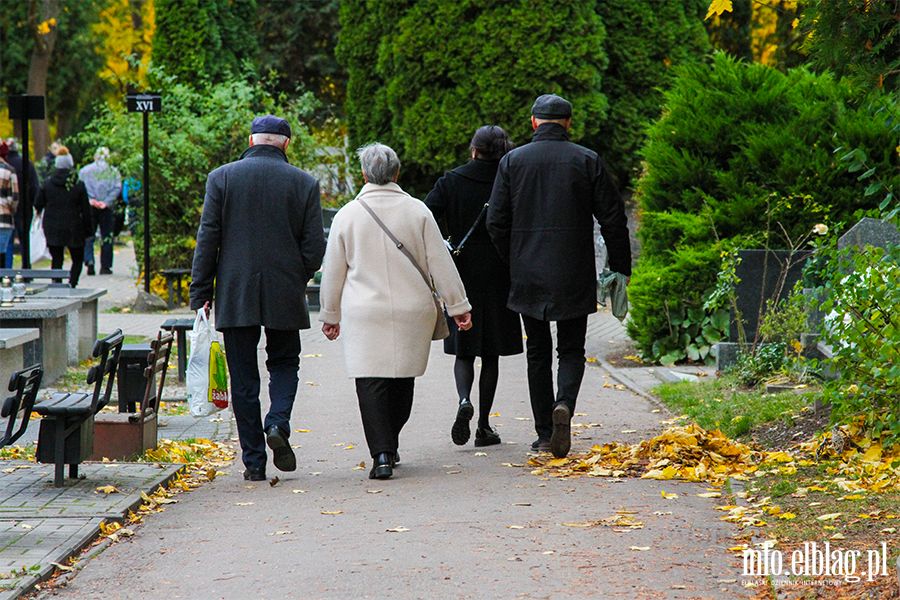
{"x": 561, "y": 438}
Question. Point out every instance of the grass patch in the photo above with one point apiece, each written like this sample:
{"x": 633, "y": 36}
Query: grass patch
{"x": 721, "y": 403}
{"x": 25, "y": 452}
{"x": 866, "y": 519}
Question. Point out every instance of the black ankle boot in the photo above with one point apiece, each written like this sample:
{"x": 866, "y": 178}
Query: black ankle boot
{"x": 381, "y": 469}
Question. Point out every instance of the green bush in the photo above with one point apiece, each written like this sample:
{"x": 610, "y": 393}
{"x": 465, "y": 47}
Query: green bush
{"x": 864, "y": 333}
{"x": 424, "y": 74}
{"x": 645, "y": 39}
{"x": 195, "y": 133}
{"x": 749, "y": 150}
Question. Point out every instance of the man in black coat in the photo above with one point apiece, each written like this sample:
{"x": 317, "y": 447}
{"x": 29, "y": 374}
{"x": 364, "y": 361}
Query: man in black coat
{"x": 260, "y": 241}
{"x": 545, "y": 196}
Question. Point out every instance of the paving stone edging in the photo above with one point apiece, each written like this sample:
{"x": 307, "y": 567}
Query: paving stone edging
{"x": 81, "y": 538}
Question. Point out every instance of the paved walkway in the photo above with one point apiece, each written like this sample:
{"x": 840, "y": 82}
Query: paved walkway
{"x": 455, "y": 522}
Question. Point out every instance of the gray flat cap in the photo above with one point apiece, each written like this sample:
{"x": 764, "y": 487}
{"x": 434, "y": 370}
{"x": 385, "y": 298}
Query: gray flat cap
{"x": 551, "y": 106}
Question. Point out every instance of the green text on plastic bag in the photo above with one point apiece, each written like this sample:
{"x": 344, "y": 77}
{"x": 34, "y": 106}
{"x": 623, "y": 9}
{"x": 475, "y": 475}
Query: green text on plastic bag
{"x": 218, "y": 376}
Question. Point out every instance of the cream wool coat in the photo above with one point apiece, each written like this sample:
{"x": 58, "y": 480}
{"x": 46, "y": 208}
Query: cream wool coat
{"x": 383, "y": 305}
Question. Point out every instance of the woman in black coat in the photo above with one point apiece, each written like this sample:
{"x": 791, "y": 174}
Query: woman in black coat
{"x": 459, "y": 200}
{"x": 66, "y": 214}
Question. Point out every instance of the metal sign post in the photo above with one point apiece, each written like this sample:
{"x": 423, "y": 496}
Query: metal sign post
{"x": 146, "y": 103}
{"x": 24, "y": 109}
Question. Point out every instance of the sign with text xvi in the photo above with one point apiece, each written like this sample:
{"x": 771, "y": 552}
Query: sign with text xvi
{"x": 146, "y": 102}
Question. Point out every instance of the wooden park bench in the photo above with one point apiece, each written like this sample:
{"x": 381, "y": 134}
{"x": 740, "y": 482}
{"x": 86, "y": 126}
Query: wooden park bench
{"x": 18, "y": 407}
{"x": 122, "y": 435}
{"x": 67, "y": 429}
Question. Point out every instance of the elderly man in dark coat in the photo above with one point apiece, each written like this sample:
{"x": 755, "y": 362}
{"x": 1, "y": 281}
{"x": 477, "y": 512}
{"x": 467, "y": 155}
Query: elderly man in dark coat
{"x": 259, "y": 243}
{"x": 541, "y": 221}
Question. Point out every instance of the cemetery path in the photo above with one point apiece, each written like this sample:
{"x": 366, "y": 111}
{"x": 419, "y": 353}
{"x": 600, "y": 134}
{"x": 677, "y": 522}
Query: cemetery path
{"x": 454, "y": 522}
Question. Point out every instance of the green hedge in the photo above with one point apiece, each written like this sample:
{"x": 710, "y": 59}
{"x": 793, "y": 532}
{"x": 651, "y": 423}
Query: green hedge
{"x": 424, "y": 74}
{"x": 740, "y": 148}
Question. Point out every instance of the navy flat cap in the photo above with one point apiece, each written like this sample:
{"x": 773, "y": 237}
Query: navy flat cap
{"x": 551, "y": 106}
{"x": 271, "y": 124}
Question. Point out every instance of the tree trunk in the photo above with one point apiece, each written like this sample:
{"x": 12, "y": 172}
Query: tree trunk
{"x": 42, "y": 24}
{"x": 137, "y": 48}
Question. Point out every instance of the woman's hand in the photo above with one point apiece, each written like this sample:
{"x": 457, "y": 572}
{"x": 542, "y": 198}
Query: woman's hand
{"x": 331, "y": 331}
{"x": 463, "y": 321}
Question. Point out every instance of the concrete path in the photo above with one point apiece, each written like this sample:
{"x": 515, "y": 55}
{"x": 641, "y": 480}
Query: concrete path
{"x": 454, "y": 522}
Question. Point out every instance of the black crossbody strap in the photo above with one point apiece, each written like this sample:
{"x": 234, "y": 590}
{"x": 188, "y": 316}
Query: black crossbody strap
{"x": 471, "y": 229}
{"x": 399, "y": 245}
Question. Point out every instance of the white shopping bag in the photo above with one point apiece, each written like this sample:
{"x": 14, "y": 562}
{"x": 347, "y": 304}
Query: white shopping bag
{"x": 38, "y": 241}
{"x": 207, "y": 374}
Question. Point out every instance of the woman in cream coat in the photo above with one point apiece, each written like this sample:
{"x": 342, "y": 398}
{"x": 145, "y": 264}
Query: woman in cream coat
{"x": 373, "y": 294}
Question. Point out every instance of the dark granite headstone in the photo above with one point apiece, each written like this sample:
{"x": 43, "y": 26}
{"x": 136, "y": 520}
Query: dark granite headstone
{"x": 759, "y": 272}
{"x": 872, "y": 232}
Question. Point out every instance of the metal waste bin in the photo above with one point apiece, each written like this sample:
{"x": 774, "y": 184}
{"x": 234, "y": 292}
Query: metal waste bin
{"x": 131, "y": 382}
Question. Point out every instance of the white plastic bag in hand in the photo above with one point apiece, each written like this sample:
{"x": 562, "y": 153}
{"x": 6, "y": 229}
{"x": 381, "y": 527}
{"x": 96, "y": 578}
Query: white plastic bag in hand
{"x": 207, "y": 374}
{"x": 38, "y": 241}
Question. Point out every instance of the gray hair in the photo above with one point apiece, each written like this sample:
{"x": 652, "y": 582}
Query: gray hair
{"x": 268, "y": 139}
{"x": 64, "y": 161}
{"x": 102, "y": 154}
{"x": 379, "y": 163}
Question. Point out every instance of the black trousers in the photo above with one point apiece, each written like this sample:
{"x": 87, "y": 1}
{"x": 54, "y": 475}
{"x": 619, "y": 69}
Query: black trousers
{"x": 58, "y": 255}
{"x": 385, "y": 404}
{"x": 283, "y": 364}
{"x": 570, "y": 336}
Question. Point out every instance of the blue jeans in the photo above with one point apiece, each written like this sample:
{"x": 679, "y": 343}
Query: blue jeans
{"x": 283, "y": 364}
{"x": 106, "y": 220}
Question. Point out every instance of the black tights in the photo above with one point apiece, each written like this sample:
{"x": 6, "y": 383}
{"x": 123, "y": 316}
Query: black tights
{"x": 464, "y": 371}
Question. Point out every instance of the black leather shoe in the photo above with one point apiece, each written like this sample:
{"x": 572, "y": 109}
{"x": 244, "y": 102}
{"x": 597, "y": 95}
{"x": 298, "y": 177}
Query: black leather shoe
{"x": 381, "y": 469}
{"x": 254, "y": 474}
{"x": 540, "y": 445}
{"x": 106, "y": 271}
{"x": 561, "y": 438}
{"x": 460, "y": 432}
{"x": 90, "y": 269}
{"x": 283, "y": 458}
{"x": 486, "y": 437}
{"x": 396, "y": 460}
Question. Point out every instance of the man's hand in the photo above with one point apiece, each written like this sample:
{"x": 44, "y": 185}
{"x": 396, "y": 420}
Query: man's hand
{"x": 206, "y": 308}
{"x": 331, "y": 331}
{"x": 97, "y": 204}
{"x": 463, "y": 321}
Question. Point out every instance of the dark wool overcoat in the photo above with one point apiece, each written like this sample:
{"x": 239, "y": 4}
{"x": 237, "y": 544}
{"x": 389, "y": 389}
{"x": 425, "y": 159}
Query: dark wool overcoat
{"x": 456, "y": 201}
{"x": 260, "y": 241}
{"x": 66, "y": 208}
{"x": 545, "y": 196}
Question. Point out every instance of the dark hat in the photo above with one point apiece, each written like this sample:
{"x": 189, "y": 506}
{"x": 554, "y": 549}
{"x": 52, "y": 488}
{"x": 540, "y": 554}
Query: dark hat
{"x": 271, "y": 124}
{"x": 551, "y": 106}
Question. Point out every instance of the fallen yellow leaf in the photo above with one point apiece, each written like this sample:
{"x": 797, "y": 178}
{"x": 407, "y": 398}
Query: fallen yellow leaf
{"x": 107, "y": 489}
{"x": 640, "y": 547}
{"x": 828, "y": 517}
{"x": 331, "y": 512}
{"x": 397, "y": 530}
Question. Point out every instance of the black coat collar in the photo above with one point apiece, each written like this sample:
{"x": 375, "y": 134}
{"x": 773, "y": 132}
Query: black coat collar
{"x": 550, "y": 132}
{"x": 478, "y": 169}
{"x": 264, "y": 150}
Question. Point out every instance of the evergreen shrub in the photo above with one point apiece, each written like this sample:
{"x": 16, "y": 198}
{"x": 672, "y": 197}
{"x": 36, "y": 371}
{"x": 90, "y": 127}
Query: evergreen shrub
{"x": 750, "y": 150}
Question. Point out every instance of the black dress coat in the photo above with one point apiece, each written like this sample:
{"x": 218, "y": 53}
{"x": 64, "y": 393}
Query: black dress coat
{"x": 260, "y": 241}
{"x": 456, "y": 200}
{"x": 545, "y": 197}
{"x": 67, "y": 210}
